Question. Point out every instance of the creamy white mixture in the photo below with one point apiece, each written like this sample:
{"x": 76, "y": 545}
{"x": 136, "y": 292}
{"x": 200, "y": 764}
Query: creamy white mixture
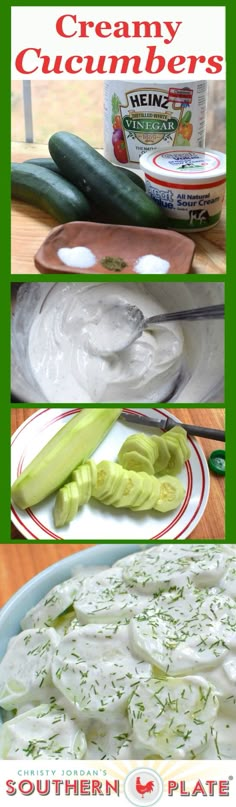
{"x": 134, "y": 662}
{"x": 74, "y": 319}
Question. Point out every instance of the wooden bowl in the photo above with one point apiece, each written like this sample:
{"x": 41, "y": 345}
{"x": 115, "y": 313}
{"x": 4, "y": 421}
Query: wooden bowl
{"x": 118, "y": 241}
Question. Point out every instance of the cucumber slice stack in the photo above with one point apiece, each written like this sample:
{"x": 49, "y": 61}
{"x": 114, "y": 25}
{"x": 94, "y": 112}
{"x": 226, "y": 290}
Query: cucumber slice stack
{"x": 75, "y": 493}
{"x": 155, "y": 454}
{"x": 136, "y": 490}
{"x": 130, "y": 482}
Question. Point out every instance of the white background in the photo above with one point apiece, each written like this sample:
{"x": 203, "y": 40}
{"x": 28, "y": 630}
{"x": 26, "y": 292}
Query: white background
{"x": 202, "y": 32}
{"x": 188, "y": 770}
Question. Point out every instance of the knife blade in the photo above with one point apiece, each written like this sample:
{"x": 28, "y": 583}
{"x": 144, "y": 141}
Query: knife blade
{"x": 167, "y": 423}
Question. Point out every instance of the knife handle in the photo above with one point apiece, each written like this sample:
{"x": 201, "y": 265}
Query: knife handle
{"x": 198, "y": 431}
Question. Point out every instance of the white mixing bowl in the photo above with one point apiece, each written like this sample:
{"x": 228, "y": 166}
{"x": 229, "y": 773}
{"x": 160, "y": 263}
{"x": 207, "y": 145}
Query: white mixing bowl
{"x": 201, "y": 376}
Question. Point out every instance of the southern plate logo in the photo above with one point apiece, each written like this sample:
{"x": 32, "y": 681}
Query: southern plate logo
{"x": 143, "y": 786}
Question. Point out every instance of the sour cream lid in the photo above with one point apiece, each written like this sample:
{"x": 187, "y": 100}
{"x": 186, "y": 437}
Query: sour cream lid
{"x": 185, "y": 165}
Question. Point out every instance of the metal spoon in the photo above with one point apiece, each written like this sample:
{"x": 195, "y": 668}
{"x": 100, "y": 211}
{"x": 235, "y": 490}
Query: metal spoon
{"x": 128, "y": 322}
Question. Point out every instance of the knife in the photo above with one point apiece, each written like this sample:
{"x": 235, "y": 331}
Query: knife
{"x": 165, "y": 424}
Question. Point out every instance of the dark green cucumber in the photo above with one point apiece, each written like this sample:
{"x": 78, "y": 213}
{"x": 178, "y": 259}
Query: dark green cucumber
{"x": 134, "y": 177}
{"x": 116, "y": 195}
{"x": 45, "y": 162}
{"x": 51, "y": 192}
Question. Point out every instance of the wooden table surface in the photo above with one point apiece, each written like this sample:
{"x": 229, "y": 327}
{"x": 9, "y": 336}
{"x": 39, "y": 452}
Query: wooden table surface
{"x": 18, "y": 563}
{"x": 211, "y": 525}
{"x": 30, "y": 226}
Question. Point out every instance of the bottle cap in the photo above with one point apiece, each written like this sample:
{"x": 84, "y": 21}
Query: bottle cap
{"x": 216, "y": 461}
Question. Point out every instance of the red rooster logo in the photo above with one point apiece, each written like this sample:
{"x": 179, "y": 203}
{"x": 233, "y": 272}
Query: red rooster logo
{"x": 142, "y": 789}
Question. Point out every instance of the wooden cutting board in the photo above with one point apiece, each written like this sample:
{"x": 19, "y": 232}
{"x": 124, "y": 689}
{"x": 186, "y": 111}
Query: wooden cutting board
{"x": 20, "y": 562}
{"x": 31, "y": 226}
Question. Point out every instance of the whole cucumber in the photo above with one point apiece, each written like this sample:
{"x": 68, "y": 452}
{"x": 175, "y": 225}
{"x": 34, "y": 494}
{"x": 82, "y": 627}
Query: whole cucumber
{"x": 131, "y": 174}
{"x": 51, "y": 192}
{"x": 115, "y": 194}
{"x": 45, "y": 162}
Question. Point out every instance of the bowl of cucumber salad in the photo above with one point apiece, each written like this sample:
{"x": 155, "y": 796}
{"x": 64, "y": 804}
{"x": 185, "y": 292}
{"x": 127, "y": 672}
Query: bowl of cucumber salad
{"x": 123, "y": 652}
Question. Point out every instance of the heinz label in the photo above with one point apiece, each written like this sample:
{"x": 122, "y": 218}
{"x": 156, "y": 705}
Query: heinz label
{"x": 137, "y": 118}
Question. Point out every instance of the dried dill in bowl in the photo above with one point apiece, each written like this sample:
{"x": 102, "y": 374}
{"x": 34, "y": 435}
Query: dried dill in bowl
{"x": 113, "y": 264}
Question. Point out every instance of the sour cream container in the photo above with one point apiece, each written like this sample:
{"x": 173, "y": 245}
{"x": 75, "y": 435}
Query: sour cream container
{"x": 140, "y": 115}
{"x": 189, "y": 184}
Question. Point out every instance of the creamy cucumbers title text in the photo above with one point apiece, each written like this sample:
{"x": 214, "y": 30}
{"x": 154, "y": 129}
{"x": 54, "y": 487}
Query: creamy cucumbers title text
{"x": 32, "y": 60}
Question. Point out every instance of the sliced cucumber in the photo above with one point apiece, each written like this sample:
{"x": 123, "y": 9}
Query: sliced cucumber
{"x": 115, "y": 485}
{"x": 82, "y": 478}
{"x": 62, "y": 507}
{"x": 93, "y": 471}
{"x": 131, "y": 489}
{"x": 102, "y": 487}
{"x": 72, "y": 496}
{"x": 172, "y": 718}
{"x": 133, "y": 461}
{"x": 115, "y": 481}
{"x": 140, "y": 443}
{"x": 147, "y": 497}
{"x": 118, "y": 487}
{"x": 177, "y": 441}
{"x": 176, "y": 460}
{"x": 73, "y": 500}
{"x": 162, "y": 454}
{"x": 170, "y": 495}
{"x": 181, "y": 436}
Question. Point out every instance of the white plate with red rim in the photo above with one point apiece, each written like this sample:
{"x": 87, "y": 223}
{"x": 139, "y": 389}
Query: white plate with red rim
{"x": 96, "y": 522}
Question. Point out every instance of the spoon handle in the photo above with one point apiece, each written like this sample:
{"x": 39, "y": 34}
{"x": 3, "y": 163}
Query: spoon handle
{"x": 207, "y": 312}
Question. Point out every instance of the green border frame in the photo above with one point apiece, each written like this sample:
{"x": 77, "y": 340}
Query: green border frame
{"x": 227, "y": 280}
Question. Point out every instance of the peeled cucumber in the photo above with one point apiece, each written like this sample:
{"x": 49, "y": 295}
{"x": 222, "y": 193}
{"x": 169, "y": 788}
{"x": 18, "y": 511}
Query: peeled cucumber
{"x": 176, "y": 460}
{"x": 115, "y": 486}
{"x": 181, "y": 435}
{"x": 148, "y": 493}
{"x": 156, "y": 454}
{"x": 137, "y": 490}
{"x": 133, "y": 461}
{"x": 102, "y": 486}
{"x": 115, "y": 477}
{"x": 66, "y": 504}
{"x": 162, "y": 455}
{"x": 69, "y": 447}
{"x": 93, "y": 471}
{"x": 83, "y": 479}
{"x": 140, "y": 443}
{"x": 130, "y": 489}
{"x": 170, "y": 495}
{"x": 75, "y": 493}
